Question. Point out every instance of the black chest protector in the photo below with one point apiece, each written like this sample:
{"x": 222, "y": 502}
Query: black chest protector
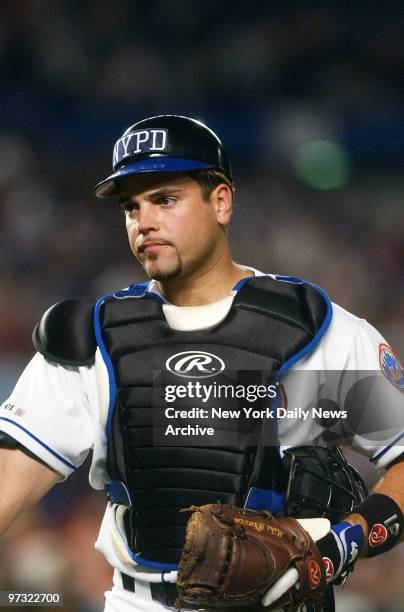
{"x": 270, "y": 325}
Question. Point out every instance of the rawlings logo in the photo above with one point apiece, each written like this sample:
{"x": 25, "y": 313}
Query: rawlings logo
{"x": 378, "y": 535}
{"x": 314, "y": 577}
{"x": 329, "y": 568}
{"x": 195, "y": 364}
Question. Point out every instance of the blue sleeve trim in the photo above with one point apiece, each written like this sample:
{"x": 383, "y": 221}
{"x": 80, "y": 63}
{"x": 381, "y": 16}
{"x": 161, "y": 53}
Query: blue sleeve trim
{"x": 45, "y": 446}
{"x": 320, "y": 332}
{"x": 387, "y": 448}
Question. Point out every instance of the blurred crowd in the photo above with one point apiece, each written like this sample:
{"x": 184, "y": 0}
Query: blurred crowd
{"x": 268, "y": 78}
{"x": 57, "y": 240}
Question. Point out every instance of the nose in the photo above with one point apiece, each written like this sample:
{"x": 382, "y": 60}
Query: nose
{"x": 147, "y": 218}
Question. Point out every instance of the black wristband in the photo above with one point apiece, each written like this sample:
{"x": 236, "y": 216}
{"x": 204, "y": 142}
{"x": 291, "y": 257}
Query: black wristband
{"x": 385, "y": 522}
{"x": 331, "y": 553}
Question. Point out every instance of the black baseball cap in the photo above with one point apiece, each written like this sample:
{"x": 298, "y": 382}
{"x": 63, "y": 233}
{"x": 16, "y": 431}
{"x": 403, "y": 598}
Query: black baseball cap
{"x": 165, "y": 143}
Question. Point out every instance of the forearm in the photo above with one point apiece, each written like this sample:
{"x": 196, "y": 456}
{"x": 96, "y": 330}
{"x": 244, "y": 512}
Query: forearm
{"x": 392, "y": 485}
{"x": 23, "y": 481}
{"x": 373, "y": 530}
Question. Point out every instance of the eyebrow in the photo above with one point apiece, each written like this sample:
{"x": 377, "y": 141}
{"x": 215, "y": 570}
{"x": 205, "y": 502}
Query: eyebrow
{"x": 164, "y": 191}
{"x": 154, "y": 194}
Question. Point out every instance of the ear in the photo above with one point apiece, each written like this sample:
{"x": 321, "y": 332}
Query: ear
{"x": 223, "y": 200}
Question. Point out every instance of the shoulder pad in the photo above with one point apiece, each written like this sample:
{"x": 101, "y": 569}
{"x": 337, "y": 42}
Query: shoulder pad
{"x": 65, "y": 333}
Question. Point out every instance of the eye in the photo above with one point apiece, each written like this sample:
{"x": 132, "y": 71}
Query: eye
{"x": 167, "y": 200}
{"x": 129, "y": 207}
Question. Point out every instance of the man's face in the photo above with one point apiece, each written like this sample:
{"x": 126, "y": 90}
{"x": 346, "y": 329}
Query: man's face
{"x": 172, "y": 230}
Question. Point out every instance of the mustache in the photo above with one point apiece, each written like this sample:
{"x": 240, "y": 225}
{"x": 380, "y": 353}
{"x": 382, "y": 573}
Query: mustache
{"x": 141, "y": 242}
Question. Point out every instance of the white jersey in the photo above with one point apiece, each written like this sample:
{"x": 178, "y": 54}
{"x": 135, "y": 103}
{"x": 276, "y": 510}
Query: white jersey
{"x": 59, "y": 412}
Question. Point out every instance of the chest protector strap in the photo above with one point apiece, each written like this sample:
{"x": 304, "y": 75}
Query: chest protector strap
{"x": 272, "y": 324}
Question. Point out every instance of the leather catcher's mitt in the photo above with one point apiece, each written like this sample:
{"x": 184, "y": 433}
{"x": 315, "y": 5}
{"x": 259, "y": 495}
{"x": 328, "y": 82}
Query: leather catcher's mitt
{"x": 232, "y": 556}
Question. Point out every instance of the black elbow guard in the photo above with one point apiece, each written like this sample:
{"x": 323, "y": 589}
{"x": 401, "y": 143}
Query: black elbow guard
{"x": 65, "y": 334}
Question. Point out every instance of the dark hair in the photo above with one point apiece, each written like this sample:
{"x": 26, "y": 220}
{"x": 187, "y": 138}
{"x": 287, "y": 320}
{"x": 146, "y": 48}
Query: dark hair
{"x": 209, "y": 179}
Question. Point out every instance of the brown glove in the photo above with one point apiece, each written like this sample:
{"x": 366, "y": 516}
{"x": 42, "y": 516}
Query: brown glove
{"x": 232, "y": 556}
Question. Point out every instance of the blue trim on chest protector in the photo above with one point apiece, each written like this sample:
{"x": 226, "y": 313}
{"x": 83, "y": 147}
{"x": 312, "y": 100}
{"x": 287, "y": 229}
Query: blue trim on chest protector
{"x": 320, "y": 332}
{"x": 134, "y": 291}
{"x": 265, "y": 499}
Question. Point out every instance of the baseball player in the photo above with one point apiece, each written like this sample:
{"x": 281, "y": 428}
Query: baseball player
{"x": 198, "y": 316}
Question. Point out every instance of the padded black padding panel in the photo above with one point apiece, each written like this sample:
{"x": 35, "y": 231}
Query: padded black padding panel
{"x": 65, "y": 333}
{"x": 269, "y": 322}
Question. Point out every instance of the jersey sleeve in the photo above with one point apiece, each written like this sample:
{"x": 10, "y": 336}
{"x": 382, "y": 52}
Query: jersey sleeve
{"x": 372, "y": 374}
{"x": 49, "y": 413}
{"x": 355, "y": 375}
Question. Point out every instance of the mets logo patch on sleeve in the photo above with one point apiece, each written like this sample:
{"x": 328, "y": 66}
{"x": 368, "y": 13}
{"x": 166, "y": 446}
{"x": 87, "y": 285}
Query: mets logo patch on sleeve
{"x": 391, "y": 367}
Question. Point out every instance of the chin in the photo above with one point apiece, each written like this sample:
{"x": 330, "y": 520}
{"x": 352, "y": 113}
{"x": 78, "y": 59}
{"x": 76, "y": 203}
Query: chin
{"x": 159, "y": 273}
{"x": 162, "y": 276}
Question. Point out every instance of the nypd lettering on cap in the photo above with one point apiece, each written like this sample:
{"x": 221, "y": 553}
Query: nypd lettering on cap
{"x": 139, "y": 143}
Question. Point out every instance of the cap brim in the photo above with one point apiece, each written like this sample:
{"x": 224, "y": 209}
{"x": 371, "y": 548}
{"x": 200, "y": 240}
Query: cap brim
{"x": 111, "y": 185}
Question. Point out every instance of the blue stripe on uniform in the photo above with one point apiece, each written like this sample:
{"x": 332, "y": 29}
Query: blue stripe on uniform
{"x": 45, "y": 446}
{"x": 387, "y": 448}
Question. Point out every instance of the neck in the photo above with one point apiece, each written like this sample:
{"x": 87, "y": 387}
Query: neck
{"x": 204, "y": 287}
